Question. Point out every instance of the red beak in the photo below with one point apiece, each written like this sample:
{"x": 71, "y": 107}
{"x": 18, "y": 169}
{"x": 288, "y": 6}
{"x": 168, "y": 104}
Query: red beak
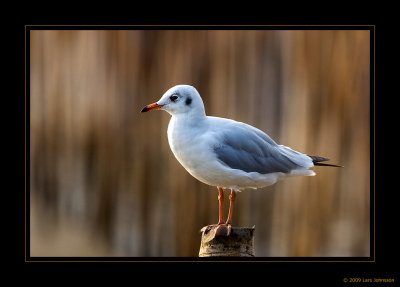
{"x": 151, "y": 107}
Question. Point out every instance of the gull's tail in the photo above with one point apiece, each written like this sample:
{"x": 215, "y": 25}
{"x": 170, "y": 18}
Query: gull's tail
{"x": 317, "y": 161}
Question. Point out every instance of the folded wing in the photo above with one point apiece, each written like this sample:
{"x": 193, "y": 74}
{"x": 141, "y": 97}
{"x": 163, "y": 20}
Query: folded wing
{"x": 251, "y": 150}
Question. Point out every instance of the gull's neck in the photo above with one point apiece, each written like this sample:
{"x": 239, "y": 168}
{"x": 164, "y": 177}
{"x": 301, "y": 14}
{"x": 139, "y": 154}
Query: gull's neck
{"x": 190, "y": 118}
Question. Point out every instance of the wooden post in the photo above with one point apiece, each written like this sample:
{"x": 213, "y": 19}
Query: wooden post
{"x": 240, "y": 243}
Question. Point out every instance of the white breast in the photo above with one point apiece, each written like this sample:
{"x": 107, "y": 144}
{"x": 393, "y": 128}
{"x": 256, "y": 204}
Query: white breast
{"x": 192, "y": 150}
{"x": 183, "y": 144}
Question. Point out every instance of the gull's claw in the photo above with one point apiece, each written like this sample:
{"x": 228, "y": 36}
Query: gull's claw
{"x": 223, "y": 230}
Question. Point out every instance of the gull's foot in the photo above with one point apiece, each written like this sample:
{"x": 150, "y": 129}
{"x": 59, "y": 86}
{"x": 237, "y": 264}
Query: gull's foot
{"x": 219, "y": 229}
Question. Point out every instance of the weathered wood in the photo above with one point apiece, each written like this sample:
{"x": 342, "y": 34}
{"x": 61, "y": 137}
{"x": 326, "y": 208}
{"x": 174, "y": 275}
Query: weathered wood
{"x": 240, "y": 243}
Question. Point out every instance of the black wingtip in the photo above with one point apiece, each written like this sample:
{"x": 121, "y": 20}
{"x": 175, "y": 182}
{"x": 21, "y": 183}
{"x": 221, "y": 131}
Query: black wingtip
{"x": 327, "y": 164}
{"x": 317, "y": 161}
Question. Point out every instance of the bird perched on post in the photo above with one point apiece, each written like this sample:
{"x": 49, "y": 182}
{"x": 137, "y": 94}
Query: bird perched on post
{"x": 225, "y": 153}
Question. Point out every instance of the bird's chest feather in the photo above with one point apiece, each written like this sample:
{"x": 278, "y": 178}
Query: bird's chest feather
{"x": 187, "y": 146}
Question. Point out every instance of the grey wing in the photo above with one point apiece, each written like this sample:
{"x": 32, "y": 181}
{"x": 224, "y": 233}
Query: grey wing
{"x": 246, "y": 148}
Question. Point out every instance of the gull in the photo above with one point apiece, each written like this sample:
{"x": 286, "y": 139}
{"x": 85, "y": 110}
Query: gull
{"x": 225, "y": 153}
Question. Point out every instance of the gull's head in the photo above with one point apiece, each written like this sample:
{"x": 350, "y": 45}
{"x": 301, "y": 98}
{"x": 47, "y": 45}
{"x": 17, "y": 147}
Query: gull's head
{"x": 180, "y": 99}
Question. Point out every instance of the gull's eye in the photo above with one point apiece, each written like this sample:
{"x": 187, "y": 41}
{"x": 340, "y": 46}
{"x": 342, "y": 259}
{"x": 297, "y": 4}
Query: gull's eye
{"x": 173, "y": 98}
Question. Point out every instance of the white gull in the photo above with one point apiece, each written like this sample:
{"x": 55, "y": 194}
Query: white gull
{"x": 226, "y": 153}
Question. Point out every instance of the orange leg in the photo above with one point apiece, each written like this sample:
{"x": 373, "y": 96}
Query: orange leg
{"x": 222, "y": 228}
{"x": 232, "y": 198}
{"x": 221, "y": 205}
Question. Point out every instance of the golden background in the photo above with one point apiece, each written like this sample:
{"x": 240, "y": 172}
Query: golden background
{"x": 103, "y": 181}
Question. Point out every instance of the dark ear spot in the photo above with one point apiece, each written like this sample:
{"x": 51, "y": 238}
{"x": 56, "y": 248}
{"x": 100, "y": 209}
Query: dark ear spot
{"x": 188, "y": 101}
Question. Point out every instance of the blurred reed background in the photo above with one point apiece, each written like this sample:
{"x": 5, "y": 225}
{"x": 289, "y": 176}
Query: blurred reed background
{"x": 103, "y": 181}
